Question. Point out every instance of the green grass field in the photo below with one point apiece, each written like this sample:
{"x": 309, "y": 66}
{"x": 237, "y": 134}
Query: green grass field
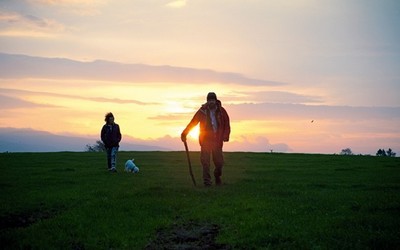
{"x": 268, "y": 201}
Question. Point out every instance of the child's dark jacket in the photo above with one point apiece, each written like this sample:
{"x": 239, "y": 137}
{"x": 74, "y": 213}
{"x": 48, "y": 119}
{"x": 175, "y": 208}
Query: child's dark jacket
{"x": 111, "y": 135}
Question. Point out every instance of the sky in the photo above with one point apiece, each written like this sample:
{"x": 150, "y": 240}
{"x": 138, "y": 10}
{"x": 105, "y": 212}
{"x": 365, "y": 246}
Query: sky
{"x": 295, "y": 76}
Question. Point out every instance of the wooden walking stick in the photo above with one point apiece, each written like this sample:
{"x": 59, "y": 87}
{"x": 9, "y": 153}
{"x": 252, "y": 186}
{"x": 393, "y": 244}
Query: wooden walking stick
{"x": 190, "y": 164}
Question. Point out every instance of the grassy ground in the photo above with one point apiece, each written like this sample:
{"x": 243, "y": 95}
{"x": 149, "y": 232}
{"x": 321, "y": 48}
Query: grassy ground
{"x": 269, "y": 201}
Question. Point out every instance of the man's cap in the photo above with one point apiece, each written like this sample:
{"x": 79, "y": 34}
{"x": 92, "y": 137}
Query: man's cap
{"x": 211, "y": 96}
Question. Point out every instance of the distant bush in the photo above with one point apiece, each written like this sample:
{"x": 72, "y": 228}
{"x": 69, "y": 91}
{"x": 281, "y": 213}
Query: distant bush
{"x": 97, "y": 147}
{"x": 346, "y": 151}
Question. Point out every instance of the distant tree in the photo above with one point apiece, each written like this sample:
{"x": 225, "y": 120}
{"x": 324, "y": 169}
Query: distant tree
{"x": 381, "y": 152}
{"x": 97, "y": 147}
{"x": 389, "y": 152}
{"x": 346, "y": 151}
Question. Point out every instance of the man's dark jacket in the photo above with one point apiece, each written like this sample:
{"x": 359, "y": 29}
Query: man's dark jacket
{"x": 207, "y": 135}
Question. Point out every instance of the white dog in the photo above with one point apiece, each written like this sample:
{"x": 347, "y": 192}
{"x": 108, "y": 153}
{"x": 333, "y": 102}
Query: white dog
{"x": 131, "y": 167}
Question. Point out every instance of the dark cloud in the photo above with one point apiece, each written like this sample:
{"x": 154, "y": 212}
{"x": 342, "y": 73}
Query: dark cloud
{"x": 94, "y": 99}
{"x": 7, "y": 102}
{"x": 29, "y": 140}
{"x": 275, "y": 97}
{"x": 282, "y": 111}
{"x": 14, "y": 20}
{"x": 36, "y": 20}
{"x": 274, "y": 111}
{"x": 21, "y": 66}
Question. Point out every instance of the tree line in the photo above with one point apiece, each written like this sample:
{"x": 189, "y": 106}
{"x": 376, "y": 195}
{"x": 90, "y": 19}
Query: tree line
{"x": 380, "y": 152}
{"x": 389, "y": 152}
{"x": 99, "y": 147}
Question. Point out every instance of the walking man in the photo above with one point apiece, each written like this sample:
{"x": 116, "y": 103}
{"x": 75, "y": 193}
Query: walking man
{"x": 214, "y": 130}
{"x": 111, "y": 136}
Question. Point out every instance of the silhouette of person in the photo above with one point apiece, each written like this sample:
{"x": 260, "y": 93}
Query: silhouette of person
{"x": 214, "y": 131}
{"x": 111, "y": 136}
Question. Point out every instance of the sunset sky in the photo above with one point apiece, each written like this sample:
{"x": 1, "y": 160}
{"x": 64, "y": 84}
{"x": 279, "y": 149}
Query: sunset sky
{"x": 305, "y": 76}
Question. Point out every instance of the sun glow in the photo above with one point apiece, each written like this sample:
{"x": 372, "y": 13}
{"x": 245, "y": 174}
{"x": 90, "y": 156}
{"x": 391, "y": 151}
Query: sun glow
{"x": 194, "y": 133}
{"x": 174, "y": 107}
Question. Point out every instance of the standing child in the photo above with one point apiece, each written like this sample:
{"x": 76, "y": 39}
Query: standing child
{"x": 111, "y": 136}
